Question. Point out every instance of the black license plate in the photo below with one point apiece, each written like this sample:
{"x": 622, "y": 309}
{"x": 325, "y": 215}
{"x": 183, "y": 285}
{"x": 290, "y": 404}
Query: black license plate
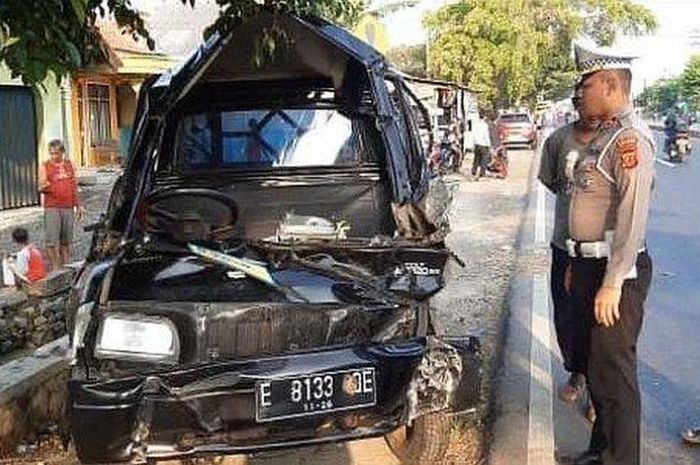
{"x": 300, "y": 396}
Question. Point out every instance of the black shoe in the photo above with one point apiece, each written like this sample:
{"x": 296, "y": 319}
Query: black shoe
{"x": 573, "y": 389}
{"x": 588, "y": 458}
{"x": 692, "y": 436}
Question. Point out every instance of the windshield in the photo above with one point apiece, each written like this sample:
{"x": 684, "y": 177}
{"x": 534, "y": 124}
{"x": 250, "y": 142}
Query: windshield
{"x": 254, "y": 139}
{"x": 519, "y": 118}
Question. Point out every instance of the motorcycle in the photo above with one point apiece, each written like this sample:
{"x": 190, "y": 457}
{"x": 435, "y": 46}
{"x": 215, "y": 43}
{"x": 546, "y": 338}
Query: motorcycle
{"x": 499, "y": 163}
{"x": 443, "y": 157}
{"x": 678, "y": 149}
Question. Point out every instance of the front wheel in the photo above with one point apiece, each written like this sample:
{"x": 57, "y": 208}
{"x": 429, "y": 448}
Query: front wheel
{"x": 425, "y": 441}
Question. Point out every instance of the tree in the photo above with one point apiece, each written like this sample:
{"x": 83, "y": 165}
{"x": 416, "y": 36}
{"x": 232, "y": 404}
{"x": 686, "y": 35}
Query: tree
{"x": 391, "y": 7}
{"x": 38, "y": 37}
{"x": 409, "y": 58}
{"x": 661, "y": 96}
{"x": 513, "y": 51}
{"x": 603, "y": 19}
{"x": 690, "y": 83}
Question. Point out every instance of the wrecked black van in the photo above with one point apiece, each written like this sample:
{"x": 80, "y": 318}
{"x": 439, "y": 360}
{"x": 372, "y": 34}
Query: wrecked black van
{"x": 262, "y": 276}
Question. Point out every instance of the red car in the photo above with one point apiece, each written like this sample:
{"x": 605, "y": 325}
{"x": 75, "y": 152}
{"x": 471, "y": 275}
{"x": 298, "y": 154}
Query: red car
{"x": 517, "y": 129}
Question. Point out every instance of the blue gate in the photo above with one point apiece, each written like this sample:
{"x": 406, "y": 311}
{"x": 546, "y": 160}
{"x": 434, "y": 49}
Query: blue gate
{"x": 18, "y": 150}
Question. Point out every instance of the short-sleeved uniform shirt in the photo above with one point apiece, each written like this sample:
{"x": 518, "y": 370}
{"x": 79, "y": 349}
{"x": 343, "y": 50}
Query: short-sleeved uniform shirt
{"x": 560, "y": 153}
{"x": 610, "y": 192}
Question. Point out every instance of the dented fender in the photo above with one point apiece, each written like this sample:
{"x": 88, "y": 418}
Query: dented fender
{"x": 448, "y": 377}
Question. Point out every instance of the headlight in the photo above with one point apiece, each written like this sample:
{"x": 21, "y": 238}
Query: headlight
{"x": 138, "y": 337}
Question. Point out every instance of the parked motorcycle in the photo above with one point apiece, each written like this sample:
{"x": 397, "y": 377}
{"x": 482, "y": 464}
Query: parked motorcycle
{"x": 442, "y": 158}
{"x": 499, "y": 163}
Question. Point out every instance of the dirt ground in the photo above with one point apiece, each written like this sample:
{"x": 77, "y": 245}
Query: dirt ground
{"x": 486, "y": 219}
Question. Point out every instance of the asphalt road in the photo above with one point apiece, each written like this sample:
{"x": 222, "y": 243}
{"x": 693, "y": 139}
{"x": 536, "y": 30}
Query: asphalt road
{"x": 669, "y": 365}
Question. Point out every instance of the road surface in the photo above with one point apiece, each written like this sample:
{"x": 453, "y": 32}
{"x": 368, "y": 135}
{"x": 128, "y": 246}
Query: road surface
{"x": 670, "y": 343}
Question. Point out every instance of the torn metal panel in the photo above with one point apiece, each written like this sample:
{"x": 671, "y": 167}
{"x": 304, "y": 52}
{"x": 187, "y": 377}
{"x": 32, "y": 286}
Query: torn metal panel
{"x": 443, "y": 381}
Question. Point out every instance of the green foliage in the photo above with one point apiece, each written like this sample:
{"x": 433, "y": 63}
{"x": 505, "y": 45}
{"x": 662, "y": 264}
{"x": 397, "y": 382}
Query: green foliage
{"x": 603, "y": 19}
{"x": 38, "y": 37}
{"x": 661, "y": 97}
{"x": 514, "y": 51}
{"x": 666, "y": 93}
{"x": 690, "y": 83}
{"x": 392, "y": 7}
{"x": 409, "y": 58}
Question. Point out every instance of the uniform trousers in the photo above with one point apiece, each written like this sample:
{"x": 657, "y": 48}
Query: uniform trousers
{"x": 572, "y": 327}
{"x": 612, "y": 360}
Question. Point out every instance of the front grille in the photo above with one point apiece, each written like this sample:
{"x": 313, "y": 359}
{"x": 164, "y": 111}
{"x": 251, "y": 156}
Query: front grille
{"x": 271, "y": 330}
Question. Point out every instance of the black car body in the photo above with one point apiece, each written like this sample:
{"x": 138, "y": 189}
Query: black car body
{"x": 262, "y": 276}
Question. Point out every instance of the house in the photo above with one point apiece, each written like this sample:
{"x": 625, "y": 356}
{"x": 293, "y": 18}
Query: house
{"x": 371, "y": 29}
{"x": 92, "y": 112}
{"x": 104, "y": 96}
{"x": 29, "y": 119}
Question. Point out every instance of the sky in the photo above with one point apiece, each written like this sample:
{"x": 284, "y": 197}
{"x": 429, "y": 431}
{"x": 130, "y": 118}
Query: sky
{"x": 661, "y": 55}
{"x": 665, "y": 53}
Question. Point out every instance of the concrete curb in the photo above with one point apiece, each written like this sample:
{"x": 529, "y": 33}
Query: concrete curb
{"x": 531, "y": 428}
{"x": 32, "y": 392}
{"x": 21, "y": 374}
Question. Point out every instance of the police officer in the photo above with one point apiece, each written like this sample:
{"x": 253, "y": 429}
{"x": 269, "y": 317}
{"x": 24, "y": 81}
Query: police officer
{"x": 609, "y": 188}
{"x": 559, "y": 153}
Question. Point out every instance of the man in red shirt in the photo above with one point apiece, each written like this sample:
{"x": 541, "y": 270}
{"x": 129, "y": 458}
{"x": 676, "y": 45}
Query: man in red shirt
{"x": 58, "y": 183}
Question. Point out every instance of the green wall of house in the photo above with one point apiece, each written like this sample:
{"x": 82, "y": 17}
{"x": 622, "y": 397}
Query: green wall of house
{"x": 47, "y": 101}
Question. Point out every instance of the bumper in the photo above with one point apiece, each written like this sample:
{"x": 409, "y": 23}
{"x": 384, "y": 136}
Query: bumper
{"x": 518, "y": 139}
{"x": 210, "y": 409}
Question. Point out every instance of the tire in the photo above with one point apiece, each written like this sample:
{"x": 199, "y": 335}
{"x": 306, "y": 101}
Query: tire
{"x": 425, "y": 442}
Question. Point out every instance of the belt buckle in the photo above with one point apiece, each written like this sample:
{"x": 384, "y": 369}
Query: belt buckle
{"x": 598, "y": 250}
{"x": 588, "y": 249}
{"x": 571, "y": 248}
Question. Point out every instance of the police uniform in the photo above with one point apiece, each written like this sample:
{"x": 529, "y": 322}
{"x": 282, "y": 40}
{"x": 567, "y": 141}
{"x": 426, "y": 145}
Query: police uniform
{"x": 609, "y": 188}
{"x": 560, "y": 152}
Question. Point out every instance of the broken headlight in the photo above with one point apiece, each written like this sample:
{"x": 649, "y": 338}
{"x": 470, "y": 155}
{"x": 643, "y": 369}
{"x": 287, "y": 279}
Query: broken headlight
{"x": 137, "y": 338}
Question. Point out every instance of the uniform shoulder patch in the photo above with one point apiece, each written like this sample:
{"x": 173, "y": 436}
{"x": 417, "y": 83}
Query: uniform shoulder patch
{"x": 627, "y": 149}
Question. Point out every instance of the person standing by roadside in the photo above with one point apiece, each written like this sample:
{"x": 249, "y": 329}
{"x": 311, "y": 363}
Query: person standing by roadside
{"x": 58, "y": 183}
{"x": 610, "y": 188}
{"x": 482, "y": 147}
{"x": 560, "y": 152}
{"x": 458, "y": 129}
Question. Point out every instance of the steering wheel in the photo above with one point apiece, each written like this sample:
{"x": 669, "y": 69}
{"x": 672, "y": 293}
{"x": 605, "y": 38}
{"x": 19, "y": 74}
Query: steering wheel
{"x": 184, "y": 224}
